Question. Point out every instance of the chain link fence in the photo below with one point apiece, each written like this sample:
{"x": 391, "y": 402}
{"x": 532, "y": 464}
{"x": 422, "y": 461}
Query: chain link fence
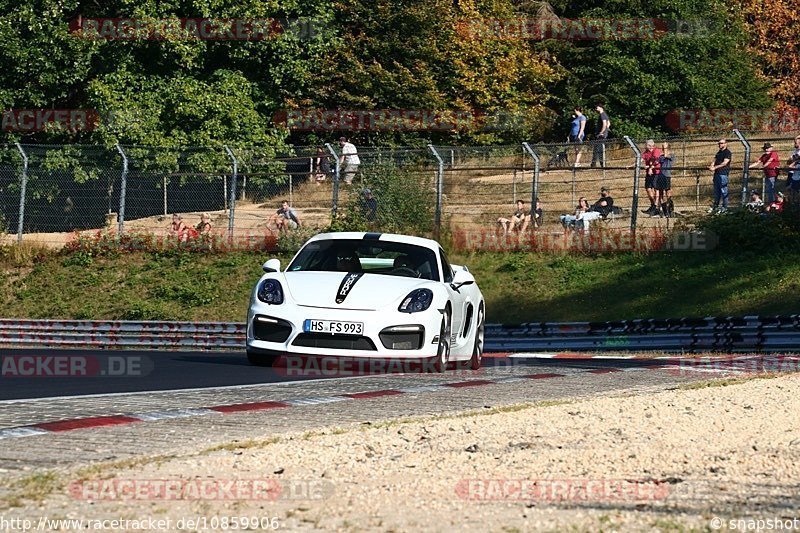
{"x": 47, "y": 193}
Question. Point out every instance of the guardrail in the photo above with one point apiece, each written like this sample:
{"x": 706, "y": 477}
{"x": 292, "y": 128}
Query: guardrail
{"x": 149, "y": 335}
{"x": 749, "y": 333}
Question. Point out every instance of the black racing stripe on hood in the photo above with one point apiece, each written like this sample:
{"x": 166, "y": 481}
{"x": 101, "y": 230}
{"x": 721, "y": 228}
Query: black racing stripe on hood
{"x": 347, "y": 284}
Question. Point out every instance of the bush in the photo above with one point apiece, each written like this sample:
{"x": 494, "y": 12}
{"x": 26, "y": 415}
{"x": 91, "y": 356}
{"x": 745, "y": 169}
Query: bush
{"x": 406, "y": 204}
{"x": 84, "y": 246}
{"x": 744, "y": 231}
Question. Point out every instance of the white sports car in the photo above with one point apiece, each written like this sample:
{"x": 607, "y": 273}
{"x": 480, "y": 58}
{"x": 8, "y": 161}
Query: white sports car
{"x": 367, "y": 295}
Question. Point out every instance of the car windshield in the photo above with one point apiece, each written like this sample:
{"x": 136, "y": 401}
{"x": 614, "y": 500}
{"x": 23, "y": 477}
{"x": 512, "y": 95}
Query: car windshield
{"x": 369, "y": 256}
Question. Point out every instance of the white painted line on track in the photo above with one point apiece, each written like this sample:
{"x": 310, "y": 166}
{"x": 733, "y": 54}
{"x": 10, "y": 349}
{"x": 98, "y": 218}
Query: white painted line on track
{"x": 178, "y": 413}
{"x": 20, "y": 432}
{"x": 315, "y": 401}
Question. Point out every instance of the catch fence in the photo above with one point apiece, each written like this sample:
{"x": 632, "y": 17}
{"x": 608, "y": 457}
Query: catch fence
{"x": 49, "y": 192}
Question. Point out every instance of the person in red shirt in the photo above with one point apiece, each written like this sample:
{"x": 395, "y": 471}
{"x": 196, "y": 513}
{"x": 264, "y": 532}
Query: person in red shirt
{"x": 651, "y": 158}
{"x": 770, "y": 162}
{"x": 777, "y": 205}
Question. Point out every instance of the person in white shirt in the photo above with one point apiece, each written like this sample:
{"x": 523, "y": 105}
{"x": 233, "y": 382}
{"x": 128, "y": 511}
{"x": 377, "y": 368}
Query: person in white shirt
{"x": 349, "y": 160}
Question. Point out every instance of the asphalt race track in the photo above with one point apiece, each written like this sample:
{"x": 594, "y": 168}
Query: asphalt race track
{"x": 120, "y": 403}
{"x": 45, "y": 373}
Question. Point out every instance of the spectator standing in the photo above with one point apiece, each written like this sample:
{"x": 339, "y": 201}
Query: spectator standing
{"x": 369, "y": 206}
{"x": 349, "y": 160}
{"x": 603, "y": 127}
{"x": 664, "y": 181}
{"x": 651, "y": 157}
{"x": 721, "y": 167}
{"x": 285, "y": 218}
{"x": 322, "y": 167}
{"x": 577, "y": 132}
{"x": 793, "y": 178}
{"x": 770, "y": 162}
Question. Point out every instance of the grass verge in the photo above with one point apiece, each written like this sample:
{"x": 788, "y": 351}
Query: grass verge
{"x": 518, "y": 287}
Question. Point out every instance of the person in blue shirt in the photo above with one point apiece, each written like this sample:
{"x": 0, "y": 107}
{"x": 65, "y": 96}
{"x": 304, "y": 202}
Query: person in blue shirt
{"x": 577, "y": 132}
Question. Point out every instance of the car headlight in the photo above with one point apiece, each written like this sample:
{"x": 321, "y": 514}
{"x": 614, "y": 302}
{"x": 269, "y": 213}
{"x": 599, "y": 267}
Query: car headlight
{"x": 416, "y": 301}
{"x": 271, "y": 292}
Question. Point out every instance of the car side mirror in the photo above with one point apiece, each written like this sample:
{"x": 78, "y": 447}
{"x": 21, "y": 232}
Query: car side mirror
{"x": 273, "y": 265}
{"x": 461, "y": 278}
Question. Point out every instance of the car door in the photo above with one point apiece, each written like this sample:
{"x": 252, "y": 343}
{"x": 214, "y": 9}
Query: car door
{"x": 457, "y": 298}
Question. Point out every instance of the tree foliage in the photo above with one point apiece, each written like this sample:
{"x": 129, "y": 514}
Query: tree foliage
{"x": 773, "y": 33}
{"x": 384, "y": 54}
{"x": 697, "y": 58}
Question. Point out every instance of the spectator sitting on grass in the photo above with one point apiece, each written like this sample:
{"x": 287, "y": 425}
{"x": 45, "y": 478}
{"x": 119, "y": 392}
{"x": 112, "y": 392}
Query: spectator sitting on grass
{"x": 756, "y": 204}
{"x": 520, "y": 219}
{"x": 204, "y": 227}
{"x": 180, "y": 229}
{"x": 285, "y": 218}
{"x": 777, "y": 205}
{"x": 569, "y": 221}
{"x": 536, "y": 214}
{"x": 603, "y": 207}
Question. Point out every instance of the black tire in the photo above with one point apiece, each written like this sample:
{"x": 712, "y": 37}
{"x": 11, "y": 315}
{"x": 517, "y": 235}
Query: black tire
{"x": 443, "y": 350}
{"x": 477, "y": 349}
{"x": 257, "y": 359}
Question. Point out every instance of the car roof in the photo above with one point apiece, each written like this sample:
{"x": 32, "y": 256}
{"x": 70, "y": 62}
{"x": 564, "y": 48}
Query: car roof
{"x": 393, "y": 237}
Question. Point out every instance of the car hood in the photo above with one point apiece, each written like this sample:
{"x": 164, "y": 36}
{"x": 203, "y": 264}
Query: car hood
{"x": 354, "y": 291}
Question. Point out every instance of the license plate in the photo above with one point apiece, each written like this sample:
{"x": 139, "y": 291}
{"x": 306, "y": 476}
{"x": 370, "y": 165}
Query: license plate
{"x": 333, "y": 327}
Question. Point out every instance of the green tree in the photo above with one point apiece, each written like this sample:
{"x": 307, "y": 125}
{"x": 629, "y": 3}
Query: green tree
{"x": 701, "y": 62}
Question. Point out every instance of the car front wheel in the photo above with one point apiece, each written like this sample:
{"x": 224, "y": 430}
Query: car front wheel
{"x": 477, "y": 349}
{"x": 443, "y": 351}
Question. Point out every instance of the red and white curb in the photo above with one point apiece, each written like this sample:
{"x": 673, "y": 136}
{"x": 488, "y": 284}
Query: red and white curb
{"x": 62, "y": 426}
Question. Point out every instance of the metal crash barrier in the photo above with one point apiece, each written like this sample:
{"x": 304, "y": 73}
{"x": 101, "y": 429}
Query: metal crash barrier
{"x": 732, "y": 334}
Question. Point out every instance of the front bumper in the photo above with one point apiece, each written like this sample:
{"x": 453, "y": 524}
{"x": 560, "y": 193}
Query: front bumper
{"x": 278, "y": 330}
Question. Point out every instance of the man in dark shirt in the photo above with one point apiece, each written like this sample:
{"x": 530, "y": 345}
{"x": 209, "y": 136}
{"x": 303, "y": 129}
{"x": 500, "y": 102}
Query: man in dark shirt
{"x": 605, "y": 205}
{"x": 721, "y": 169}
{"x": 603, "y": 125}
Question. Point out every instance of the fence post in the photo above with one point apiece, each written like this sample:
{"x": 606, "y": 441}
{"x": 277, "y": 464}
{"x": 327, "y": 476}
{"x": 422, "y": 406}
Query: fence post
{"x": 635, "y": 201}
{"x": 535, "y": 186}
{"x": 122, "y": 187}
{"x": 439, "y": 189}
{"x": 746, "y": 166}
{"x": 335, "y": 198}
{"x": 23, "y": 186}
{"x": 234, "y": 177}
